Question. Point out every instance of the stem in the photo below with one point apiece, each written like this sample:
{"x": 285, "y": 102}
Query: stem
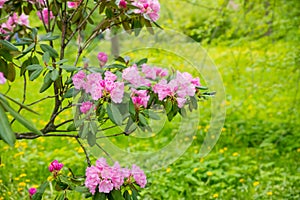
{"x": 85, "y": 152}
{"x": 107, "y": 154}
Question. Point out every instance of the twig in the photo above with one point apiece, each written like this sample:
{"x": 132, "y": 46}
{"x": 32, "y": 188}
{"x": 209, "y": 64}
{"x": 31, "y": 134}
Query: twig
{"x": 107, "y": 154}
{"x": 85, "y": 152}
{"x": 34, "y": 136}
{"x": 42, "y": 99}
{"x": 114, "y": 135}
{"x": 65, "y": 122}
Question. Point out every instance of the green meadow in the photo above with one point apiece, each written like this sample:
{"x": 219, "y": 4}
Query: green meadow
{"x": 254, "y": 45}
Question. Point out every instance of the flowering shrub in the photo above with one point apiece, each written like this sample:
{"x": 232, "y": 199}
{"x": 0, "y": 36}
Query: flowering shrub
{"x": 121, "y": 92}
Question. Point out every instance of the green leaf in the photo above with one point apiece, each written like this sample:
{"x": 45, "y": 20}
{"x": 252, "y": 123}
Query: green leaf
{"x": 54, "y": 75}
{"x": 153, "y": 115}
{"x": 202, "y": 87}
{"x": 142, "y": 61}
{"x": 143, "y": 120}
{"x": 9, "y": 46}
{"x": 99, "y": 196}
{"x": 168, "y": 106}
{"x": 35, "y": 74}
{"x": 11, "y": 72}
{"x": 70, "y": 92}
{"x": 46, "y": 57}
{"x": 34, "y": 67}
{"x": 131, "y": 107}
{"x": 60, "y": 197}
{"x": 48, "y": 37}
{"x": 84, "y": 129}
{"x": 6, "y": 132}
{"x": 18, "y": 103}
{"x": 20, "y": 118}
{"x": 115, "y": 66}
{"x": 114, "y": 114}
{"x": 29, "y": 48}
{"x": 117, "y": 195}
{"x": 81, "y": 189}
{"x": 91, "y": 138}
{"x": 134, "y": 194}
{"x": 46, "y": 85}
{"x": 40, "y": 191}
{"x": 126, "y": 195}
{"x": 52, "y": 52}
{"x": 61, "y": 61}
{"x": 182, "y": 112}
{"x": 71, "y": 127}
{"x": 194, "y": 102}
{"x": 69, "y": 68}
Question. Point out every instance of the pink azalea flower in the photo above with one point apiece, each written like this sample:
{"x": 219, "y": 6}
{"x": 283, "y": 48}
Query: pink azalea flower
{"x": 79, "y": 80}
{"x": 140, "y": 98}
{"x": 180, "y": 102}
{"x": 2, "y": 78}
{"x": 110, "y": 76}
{"x": 86, "y": 107}
{"x": 55, "y": 166}
{"x": 32, "y": 191}
{"x": 23, "y": 20}
{"x": 45, "y": 15}
{"x": 150, "y": 8}
{"x": 102, "y": 57}
{"x": 105, "y": 186}
{"x": 92, "y": 178}
{"x": 132, "y": 75}
{"x": 93, "y": 81}
{"x": 139, "y": 176}
{"x": 117, "y": 93}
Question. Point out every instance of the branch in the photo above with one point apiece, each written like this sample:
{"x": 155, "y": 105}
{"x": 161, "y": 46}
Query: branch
{"x": 85, "y": 152}
{"x": 42, "y": 99}
{"x": 107, "y": 154}
{"x": 30, "y": 135}
{"x": 114, "y": 135}
{"x": 65, "y": 122}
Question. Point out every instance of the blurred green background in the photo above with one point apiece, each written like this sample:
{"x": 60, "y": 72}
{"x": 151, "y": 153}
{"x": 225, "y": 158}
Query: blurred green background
{"x": 255, "y": 46}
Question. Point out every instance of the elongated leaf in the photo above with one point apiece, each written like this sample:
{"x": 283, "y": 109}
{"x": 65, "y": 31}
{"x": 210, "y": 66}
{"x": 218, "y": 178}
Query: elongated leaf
{"x": 117, "y": 195}
{"x": 20, "y": 118}
{"x": 52, "y": 52}
{"x": 45, "y": 86}
{"x": 114, "y": 114}
{"x": 48, "y": 37}
{"x": 54, "y": 75}
{"x": 40, "y": 191}
{"x": 34, "y": 67}
{"x": 69, "y": 68}
{"x": 142, "y": 61}
{"x": 99, "y": 196}
{"x": 18, "y": 103}
{"x": 11, "y": 72}
{"x": 9, "y": 46}
{"x": 91, "y": 138}
{"x": 46, "y": 57}
{"x": 6, "y": 132}
{"x": 34, "y": 75}
{"x": 29, "y": 48}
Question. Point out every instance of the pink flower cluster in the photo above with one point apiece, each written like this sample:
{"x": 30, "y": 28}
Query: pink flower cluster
{"x": 183, "y": 86}
{"x": 102, "y": 57}
{"x": 107, "y": 178}
{"x": 2, "y": 78}
{"x": 12, "y": 23}
{"x": 55, "y": 166}
{"x": 98, "y": 87}
{"x": 140, "y": 97}
{"x": 150, "y": 8}
{"x": 44, "y": 15}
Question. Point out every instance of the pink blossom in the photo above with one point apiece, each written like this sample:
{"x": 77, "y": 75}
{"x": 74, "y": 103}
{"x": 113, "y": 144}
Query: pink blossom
{"x": 180, "y": 102}
{"x": 93, "y": 81}
{"x": 150, "y": 8}
{"x": 45, "y": 15}
{"x": 139, "y": 176}
{"x": 92, "y": 178}
{"x": 102, "y": 57}
{"x": 164, "y": 89}
{"x": 79, "y": 80}
{"x": 86, "y": 106}
{"x": 2, "y": 78}
{"x": 23, "y": 20}
{"x": 110, "y": 76}
{"x": 2, "y": 2}
{"x": 123, "y": 4}
{"x": 55, "y": 166}
{"x": 149, "y": 71}
{"x": 105, "y": 186}
{"x": 117, "y": 93}
{"x": 132, "y": 75}
{"x": 73, "y": 4}
{"x": 32, "y": 191}
{"x": 140, "y": 98}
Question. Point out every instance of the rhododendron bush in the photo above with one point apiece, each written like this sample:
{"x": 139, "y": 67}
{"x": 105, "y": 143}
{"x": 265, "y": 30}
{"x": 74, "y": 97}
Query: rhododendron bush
{"x": 122, "y": 92}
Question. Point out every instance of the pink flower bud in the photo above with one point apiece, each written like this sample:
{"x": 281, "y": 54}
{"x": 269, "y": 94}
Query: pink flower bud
{"x": 55, "y": 166}
{"x": 86, "y": 106}
{"x": 123, "y": 4}
{"x": 32, "y": 191}
{"x": 102, "y": 57}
